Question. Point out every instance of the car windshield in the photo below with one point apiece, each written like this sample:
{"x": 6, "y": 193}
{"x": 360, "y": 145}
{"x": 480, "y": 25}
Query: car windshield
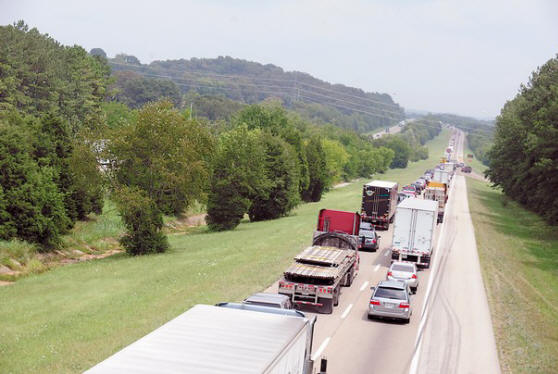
{"x": 390, "y": 293}
{"x": 366, "y": 232}
{"x": 399, "y": 267}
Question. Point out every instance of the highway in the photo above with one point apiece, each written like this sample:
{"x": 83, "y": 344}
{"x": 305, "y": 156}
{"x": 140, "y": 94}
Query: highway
{"x": 450, "y": 329}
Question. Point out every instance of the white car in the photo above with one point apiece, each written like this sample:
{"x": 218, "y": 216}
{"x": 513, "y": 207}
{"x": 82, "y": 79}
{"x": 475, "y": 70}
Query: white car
{"x": 406, "y": 272}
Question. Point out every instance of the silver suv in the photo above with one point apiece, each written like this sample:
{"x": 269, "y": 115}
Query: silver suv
{"x": 390, "y": 299}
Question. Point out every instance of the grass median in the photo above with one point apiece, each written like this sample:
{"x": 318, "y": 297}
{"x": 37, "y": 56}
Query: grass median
{"x": 518, "y": 252}
{"x": 72, "y": 317}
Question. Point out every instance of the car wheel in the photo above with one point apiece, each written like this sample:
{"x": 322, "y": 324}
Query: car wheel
{"x": 406, "y": 320}
{"x": 370, "y": 317}
{"x": 414, "y": 290}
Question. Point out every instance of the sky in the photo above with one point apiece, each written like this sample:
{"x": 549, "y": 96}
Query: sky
{"x": 465, "y": 57}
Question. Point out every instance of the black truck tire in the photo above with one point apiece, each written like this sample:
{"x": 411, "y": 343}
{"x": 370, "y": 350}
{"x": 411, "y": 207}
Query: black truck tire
{"x": 336, "y": 294}
{"x": 327, "y": 305}
{"x": 349, "y": 278}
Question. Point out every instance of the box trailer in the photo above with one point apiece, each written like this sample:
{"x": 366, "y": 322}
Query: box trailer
{"x": 229, "y": 338}
{"x": 441, "y": 175}
{"x": 379, "y": 199}
{"x": 413, "y": 233}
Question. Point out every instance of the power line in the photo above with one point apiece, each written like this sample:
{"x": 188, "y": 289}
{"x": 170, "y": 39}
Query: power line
{"x": 258, "y": 78}
{"x": 275, "y": 87}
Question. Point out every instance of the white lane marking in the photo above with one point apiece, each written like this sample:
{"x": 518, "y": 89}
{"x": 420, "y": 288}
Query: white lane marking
{"x": 385, "y": 254}
{"x": 346, "y": 312}
{"x": 414, "y": 363}
{"x": 321, "y": 349}
{"x": 364, "y": 286}
{"x": 377, "y": 267}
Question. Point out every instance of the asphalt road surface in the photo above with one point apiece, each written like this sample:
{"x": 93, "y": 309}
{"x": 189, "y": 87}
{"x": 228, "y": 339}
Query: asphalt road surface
{"x": 450, "y": 329}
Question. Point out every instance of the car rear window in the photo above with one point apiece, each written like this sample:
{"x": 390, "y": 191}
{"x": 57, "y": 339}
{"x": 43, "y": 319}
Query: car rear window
{"x": 390, "y": 293}
{"x": 406, "y": 268}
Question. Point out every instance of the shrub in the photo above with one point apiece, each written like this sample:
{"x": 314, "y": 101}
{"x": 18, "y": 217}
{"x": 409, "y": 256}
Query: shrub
{"x": 143, "y": 222}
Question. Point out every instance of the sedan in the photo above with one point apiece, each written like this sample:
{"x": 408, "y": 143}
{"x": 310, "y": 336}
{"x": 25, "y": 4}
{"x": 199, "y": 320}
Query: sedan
{"x": 390, "y": 299}
{"x": 404, "y": 271}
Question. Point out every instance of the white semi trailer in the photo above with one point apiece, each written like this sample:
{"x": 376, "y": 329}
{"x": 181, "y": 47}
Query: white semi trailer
{"x": 227, "y": 338}
{"x": 413, "y": 232}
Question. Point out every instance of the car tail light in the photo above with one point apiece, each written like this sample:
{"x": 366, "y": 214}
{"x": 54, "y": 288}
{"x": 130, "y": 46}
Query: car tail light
{"x": 414, "y": 276}
{"x": 390, "y": 273}
{"x": 404, "y": 305}
{"x": 374, "y": 302}
{"x": 373, "y": 241}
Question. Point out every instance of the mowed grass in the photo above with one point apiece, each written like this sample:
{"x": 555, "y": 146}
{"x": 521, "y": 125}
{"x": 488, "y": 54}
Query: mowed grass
{"x": 475, "y": 163}
{"x": 70, "y": 318}
{"x": 519, "y": 258}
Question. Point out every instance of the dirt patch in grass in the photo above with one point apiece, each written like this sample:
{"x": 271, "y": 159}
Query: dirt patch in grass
{"x": 519, "y": 259}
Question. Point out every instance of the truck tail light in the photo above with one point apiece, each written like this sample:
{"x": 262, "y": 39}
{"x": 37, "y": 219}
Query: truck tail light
{"x": 329, "y": 290}
{"x": 404, "y": 305}
{"x": 414, "y": 276}
{"x": 374, "y": 302}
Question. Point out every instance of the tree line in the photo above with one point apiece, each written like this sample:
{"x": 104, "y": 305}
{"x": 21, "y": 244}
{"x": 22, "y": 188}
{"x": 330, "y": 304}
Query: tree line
{"x": 479, "y": 132}
{"x": 524, "y": 157}
{"x": 62, "y": 115}
{"x": 50, "y": 102}
{"x": 250, "y": 82}
{"x": 408, "y": 145}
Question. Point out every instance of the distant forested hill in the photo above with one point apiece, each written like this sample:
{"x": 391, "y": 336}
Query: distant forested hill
{"x": 250, "y": 82}
{"x": 480, "y": 133}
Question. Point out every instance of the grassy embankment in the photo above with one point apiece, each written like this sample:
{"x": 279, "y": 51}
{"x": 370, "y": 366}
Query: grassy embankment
{"x": 519, "y": 258}
{"x": 475, "y": 163}
{"x": 72, "y": 317}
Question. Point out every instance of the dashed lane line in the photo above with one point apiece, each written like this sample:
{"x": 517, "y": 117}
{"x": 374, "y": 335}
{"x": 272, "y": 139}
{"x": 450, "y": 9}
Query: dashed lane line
{"x": 364, "y": 286}
{"x": 321, "y": 349}
{"x": 346, "y": 312}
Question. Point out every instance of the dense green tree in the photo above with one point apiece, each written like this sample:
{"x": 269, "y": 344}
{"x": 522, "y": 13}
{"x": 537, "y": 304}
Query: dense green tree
{"x": 239, "y": 176}
{"x": 336, "y": 158}
{"x": 136, "y": 90}
{"x": 400, "y": 148}
{"x": 273, "y": 118}
{"x": 282, "y": 173}
{"x": 317, "y": 170}
{"x": 143, "y": 221}
{"x": 98, "y": 52}
{"x": 164, "y": 154}
{"x": 33, "y": 207}
{"x": 524, "y": 157}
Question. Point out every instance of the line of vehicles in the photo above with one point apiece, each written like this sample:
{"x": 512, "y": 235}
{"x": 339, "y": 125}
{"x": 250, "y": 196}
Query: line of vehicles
{"x": 266, "y": 333}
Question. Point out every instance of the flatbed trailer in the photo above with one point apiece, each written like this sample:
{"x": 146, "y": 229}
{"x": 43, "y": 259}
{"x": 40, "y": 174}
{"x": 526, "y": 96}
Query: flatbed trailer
{"x": 318, "y": 273}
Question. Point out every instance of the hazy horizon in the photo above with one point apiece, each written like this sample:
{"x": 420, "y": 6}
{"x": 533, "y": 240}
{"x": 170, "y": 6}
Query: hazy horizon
{"x": 429, "y": 55}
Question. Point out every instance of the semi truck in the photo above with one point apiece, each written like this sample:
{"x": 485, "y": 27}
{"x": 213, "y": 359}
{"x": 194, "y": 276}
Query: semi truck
{"x": 441, "y": 175}
{"x": 318, "y": 273}
{"x": 226, "y": 338}
{"x": 379, "y": 200}
{"x": 413, "y": 232}
{"x": 438, "y": 192}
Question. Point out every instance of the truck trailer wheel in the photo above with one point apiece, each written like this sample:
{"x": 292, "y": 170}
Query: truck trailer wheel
{"x": 349, "y": 278}
{"x": 336, "y": 294}
{"x": 327, "y": 305}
